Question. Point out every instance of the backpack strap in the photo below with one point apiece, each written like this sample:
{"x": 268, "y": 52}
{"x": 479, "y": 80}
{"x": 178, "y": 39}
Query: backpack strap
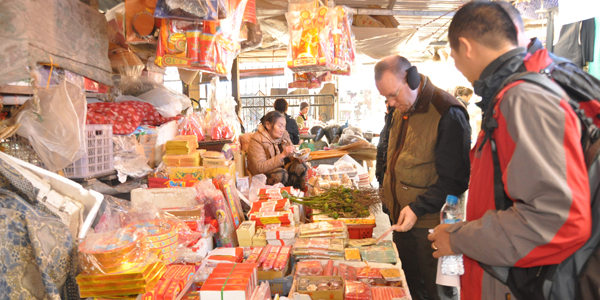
{"x": 501, "y": 200}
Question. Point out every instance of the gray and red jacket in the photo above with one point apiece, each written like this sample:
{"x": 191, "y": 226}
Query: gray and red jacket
{"x": 544, "y": 174}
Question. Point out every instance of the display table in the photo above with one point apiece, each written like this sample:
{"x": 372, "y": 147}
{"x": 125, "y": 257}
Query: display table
{"x": 211, "y": 145}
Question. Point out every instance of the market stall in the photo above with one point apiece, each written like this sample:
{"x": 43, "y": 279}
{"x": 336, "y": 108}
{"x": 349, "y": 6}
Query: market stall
{"x": 151, "y": 195}
{"x": 157, "y": 201}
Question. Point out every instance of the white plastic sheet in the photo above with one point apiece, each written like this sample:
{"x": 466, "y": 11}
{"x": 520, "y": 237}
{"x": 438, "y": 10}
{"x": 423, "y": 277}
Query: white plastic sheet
{"x": 60, "y": 117}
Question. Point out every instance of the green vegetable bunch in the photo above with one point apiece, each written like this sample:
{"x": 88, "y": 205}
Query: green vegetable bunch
{"x": 340, "y": 202}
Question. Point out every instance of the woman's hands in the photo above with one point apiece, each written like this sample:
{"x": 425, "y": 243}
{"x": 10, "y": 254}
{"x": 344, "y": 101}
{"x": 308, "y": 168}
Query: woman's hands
{"x": 288, "y": 151}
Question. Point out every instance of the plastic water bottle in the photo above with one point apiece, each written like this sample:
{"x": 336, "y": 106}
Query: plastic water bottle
{"x": 450, "y": 214}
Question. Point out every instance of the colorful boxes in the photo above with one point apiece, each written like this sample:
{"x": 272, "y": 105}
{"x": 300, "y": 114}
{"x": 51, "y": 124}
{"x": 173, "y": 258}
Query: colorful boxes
{"x": 171, "y": 284}
{"x": 199, "y": 173}
{"x": 162, "y": 238}
{"x": 245, "y": 233}
{"x": 182, "y": 144}
{"x": 184, "y": 160}
{"x": 270, "y": 205}
{"x": 284, "y": 218}
{"x": 135, "y": 281}
{"x": 226, "y": 254}
{"x": 230, "y": 281}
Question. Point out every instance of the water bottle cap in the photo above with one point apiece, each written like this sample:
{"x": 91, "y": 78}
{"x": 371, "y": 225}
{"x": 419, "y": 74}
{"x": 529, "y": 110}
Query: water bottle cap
{"x": 451, "y": 199}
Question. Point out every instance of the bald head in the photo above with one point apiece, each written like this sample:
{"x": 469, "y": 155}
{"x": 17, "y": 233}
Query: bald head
{"x": 395, "y": 64}
{"x": 515, "y": 16}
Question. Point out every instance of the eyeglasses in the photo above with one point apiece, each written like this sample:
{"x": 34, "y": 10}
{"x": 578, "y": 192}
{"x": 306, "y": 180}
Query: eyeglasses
{"x": 395, "y": 95}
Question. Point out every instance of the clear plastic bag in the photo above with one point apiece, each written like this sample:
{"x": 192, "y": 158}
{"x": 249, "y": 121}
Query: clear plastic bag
{"x": 129, "y": 234}
{"x": 220, "y": 115}
{"x": 225, "y": 43}
{"x": 320, "y": 37}
{"x": 125, "y": 62}
{"x": 258, "y": 182}
{"x": 114, "y": 251}
{"x": 116, "y": 25}
{"x": 188, "y": 10}
{"x": 217, "y": 207}
{"x": 263, "y": 292}
{"x": 209, "y": 46}
{"x": 57, "y": 116}
{"x": 134, "y": 165}
{"x": 191, "y": 125}
{"x": 227, "y": 186}
{"x": 167, "y": 102}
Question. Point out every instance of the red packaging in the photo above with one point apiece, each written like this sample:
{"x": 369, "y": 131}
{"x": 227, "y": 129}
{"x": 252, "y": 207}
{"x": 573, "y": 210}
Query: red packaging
{"x": 282, "y": 258}
{"x": 270, "y": 206}
{"x": 238, "y": 268}
{"x": 328, "y": 271}
{"x": 173, "y": 290}
{"x": 184, "y": 274}
{"x": 347, "y": 272}
{"x": 191, "y": 126}
{"x": 309, "y": 268}
{"x": 230, "y": 280}
{"x": 253, "y": 258}
{"x": 387, "y": 292}
{"x": 223, "y": 254}
{"x": 275, "y": 194}
{"x": 262, "y": 219}
{"x": 271, "y": 257}
{"x": 335, "y": 271}
{"x": 357, "y": 290}
{"x": 161, "y": 288}
{"x": 171, "y": 271}
{"x": 263, "y": 256}
{"x": 368, "y": 273}
{"x": 149, "y": 295}
{"x": 193, "y": 45}
{"x": 222, "y": 183}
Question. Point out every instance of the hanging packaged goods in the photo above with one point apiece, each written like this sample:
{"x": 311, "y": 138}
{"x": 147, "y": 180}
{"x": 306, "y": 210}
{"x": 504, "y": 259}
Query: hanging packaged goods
{"x": 196, "y": 44}
{"x": 320, "y": 38}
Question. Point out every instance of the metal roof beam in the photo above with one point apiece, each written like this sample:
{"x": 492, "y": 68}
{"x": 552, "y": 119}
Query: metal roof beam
{"x": 415, "y": 13}
{"x": 392, "y": 4}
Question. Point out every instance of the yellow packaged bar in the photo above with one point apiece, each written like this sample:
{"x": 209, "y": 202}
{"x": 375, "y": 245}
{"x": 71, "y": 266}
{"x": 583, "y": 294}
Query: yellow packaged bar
{"x": 122, "y": 288}
{"x": 123, "y": 284}
{"x": 141, "y": 272}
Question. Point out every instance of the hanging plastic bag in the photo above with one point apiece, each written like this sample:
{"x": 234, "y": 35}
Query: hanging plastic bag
{"x": 320, "y": 37}
{"x": 220, "y": 115}
{"x": 190, "y": 125}
{"x": 167, "y": 102}
{"x": 187, "y": 10}
{"x": 310, "y": 47}
{"x": 59, "y": 117}
{"x": 115, "y": 18}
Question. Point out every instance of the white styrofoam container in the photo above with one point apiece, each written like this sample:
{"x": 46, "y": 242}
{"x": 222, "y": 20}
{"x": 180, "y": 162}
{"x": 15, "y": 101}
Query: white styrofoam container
{"x": 166, "y": 197}
{"x": 91, "y": 200}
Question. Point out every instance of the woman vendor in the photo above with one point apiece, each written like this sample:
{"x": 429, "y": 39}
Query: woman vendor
{"x": 303, "y": 117}
{"x": 270, "y": 148}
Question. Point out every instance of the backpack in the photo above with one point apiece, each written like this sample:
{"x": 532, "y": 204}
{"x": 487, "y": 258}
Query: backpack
{"x": 581, "y": 87}
{"x": 577, "y": 276}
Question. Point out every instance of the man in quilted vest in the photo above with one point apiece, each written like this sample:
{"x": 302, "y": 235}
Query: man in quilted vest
{"x": 427, "y": 159}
